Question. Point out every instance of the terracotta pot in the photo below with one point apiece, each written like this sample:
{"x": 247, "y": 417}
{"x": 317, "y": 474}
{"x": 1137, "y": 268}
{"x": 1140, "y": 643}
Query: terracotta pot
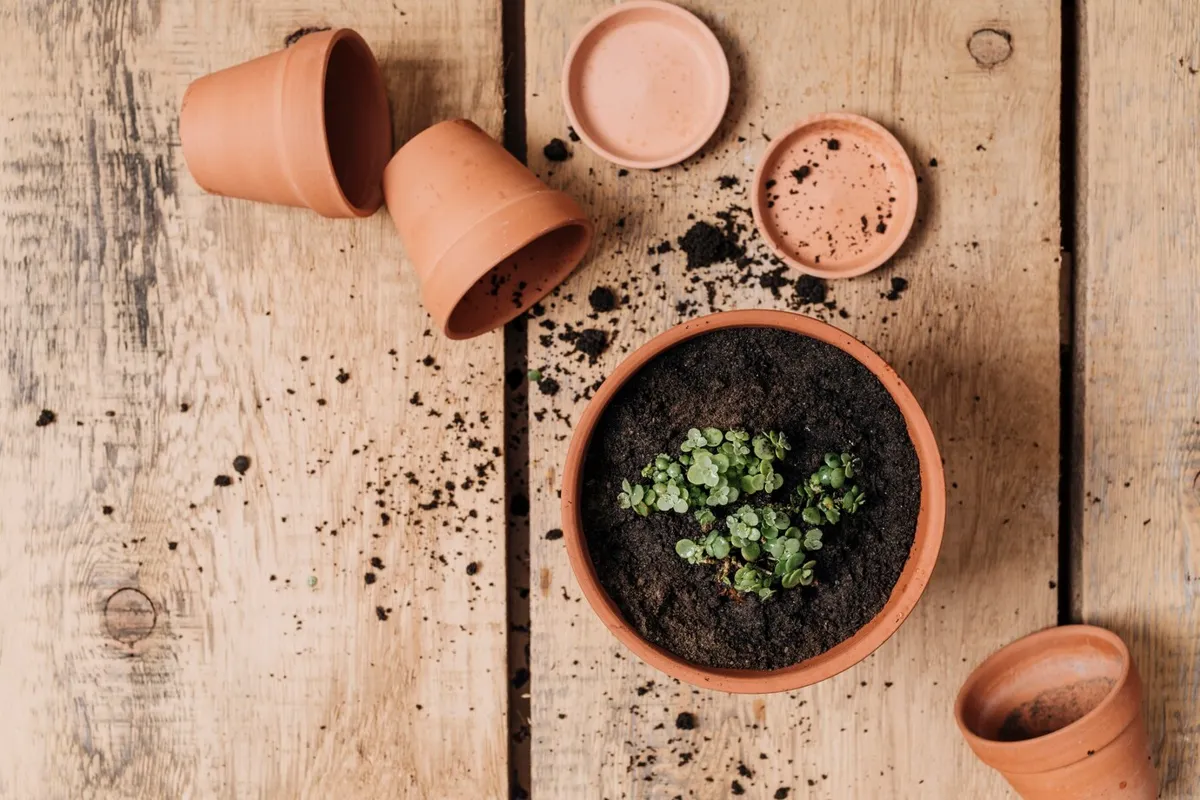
{"x": 905, "y": 594}
{"x": 306, "y": 126}
{"x": 1059, "y": 714}
{"x": 486, "y": 237}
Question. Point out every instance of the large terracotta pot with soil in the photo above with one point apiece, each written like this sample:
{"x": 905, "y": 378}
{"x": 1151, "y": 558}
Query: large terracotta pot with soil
{"x": 307, "y": 126}
{"x": 1059, "y": 714}
{"x": 486, "y": 237}
{"x": 753, "y": 501}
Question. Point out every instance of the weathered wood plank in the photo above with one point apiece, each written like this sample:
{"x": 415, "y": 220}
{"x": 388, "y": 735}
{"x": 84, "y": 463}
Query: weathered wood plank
{"x": 1138, "y": 383}
{"x": 976, "y": 335}
{"x": 241, "y": 654}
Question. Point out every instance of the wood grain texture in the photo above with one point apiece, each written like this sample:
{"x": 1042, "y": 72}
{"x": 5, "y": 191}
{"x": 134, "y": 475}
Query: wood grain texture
{"x": 164, "y": 636}
{"x": 1138, "y": 527}
{"x": 976, "y": 335}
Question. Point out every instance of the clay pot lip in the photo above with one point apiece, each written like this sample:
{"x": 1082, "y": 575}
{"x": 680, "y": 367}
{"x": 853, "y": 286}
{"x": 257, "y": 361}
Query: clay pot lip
{"x": 1034, "y": 752}
{"x": 582, "y": 246}
{"x": 898, "y": 233}
{"x": 361, "y": 48}
{"x": 905, "y": 594}
{"x": 705, "y": 37}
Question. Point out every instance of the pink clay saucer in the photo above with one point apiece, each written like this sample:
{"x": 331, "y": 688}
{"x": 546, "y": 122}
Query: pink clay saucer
{"x": 645, "y": 84}
{"x": 835, "y": 196}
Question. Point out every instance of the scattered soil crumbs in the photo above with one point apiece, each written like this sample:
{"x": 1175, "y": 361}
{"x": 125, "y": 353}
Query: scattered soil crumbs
{"x": 602, "y": 299}
{"x": 757, "y": 379}
{"x": 106, "y": 511}
{"x": 47, "y": 417}
{"x": 686, "y": 721}
{"x": 736, "y": 788}
{"x": 342, "y": 376}
{"x": 554, "y": 534}
{"x": 706, "y": 244}
{"x": 727, "y": 181}
{"x": 241, "y": 464}
{"x": 592, "y": 342}
{"x": 472, "y": 568}
{"x": 1054, "y": 709}
{"x": 782, "y": 792}
{"x": 810, "y": 289}
{"x": 556, "y": 150}
{"x": 898, "y": 287}
{"x": 381, "y": 613}
{"x": 299, "y": 34}
{"x": 222, "y": 480}
{"x": 548, "y": 386}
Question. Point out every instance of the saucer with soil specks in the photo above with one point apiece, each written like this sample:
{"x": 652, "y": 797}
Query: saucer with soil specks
{"x": 835, "y": 196}
{"x": 645, "y": 84}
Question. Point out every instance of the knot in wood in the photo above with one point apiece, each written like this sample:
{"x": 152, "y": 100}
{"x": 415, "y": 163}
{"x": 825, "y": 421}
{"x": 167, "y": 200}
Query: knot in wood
{"x": 990, "y": 47}
{"x": 129, "y": 615}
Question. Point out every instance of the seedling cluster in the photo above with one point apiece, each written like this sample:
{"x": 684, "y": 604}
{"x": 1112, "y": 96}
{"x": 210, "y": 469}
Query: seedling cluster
{"x": 759, "y": 545}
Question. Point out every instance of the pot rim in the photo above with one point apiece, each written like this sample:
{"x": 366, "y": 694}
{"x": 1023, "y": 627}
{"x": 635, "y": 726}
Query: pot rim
{"x": 723, "y": 86}
{"x": 328, "y": 173}
{"x": 1070, "y": 743}
{"x": 909, "y": 586}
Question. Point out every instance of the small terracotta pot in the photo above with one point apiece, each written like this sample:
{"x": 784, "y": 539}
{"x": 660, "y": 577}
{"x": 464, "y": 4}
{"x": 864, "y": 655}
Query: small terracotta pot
{"x": 486, "y": 237}
{"x": 907, "y": 591}
{"x": 1059, "y": 714}
{"x": 307, "y": 126}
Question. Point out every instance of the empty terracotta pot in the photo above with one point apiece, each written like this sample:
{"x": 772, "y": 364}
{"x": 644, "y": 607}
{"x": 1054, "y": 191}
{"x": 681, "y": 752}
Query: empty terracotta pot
{"x": 307, "y": 126}
{"x": 905, "y": 594}
{"x": 1059, "y": 714}
{"x": 486, "y": 237}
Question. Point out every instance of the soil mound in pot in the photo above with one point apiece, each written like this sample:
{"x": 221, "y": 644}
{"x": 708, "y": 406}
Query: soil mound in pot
{"x": 756, "y": 379}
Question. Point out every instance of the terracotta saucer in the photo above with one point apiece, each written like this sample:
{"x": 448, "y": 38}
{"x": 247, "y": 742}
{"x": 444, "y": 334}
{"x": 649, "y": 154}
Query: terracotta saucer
{"x": 645, "y": 84}
{"x": 835, "y": 196}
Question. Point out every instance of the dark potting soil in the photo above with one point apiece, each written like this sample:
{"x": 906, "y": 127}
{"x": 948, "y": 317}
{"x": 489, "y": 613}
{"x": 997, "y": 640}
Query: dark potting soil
{"x": 756, "y": 379}
{"x": 706, "y": 244}
{"x": 556, "y": 150}
{"x": 602, "y": 299}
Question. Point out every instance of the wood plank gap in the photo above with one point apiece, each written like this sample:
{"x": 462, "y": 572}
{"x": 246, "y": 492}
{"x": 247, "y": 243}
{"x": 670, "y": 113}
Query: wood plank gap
{"x": 1070, "y": 490}
{"x": 516, "y": 433}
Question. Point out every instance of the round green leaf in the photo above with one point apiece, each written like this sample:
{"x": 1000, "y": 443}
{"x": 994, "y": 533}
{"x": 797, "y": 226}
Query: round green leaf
{"x": 720, "y": 547}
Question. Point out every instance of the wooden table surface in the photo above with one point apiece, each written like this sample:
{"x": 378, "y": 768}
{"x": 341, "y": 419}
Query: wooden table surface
{"x": 169, "y": 637}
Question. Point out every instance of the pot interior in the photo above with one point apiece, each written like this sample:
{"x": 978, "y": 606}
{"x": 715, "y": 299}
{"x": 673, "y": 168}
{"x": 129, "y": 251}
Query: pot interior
{"x": 519, "y": 281}
{"x": 1033, "y": 693}
{"x": 357, "y": 123}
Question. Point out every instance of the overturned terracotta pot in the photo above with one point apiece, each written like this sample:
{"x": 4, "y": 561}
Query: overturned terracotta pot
{"x": 1059, "y": 714}
{"x": 486, "y": 237}
{"x": 307, "y": 126}
{"x": 908, "y": 589}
